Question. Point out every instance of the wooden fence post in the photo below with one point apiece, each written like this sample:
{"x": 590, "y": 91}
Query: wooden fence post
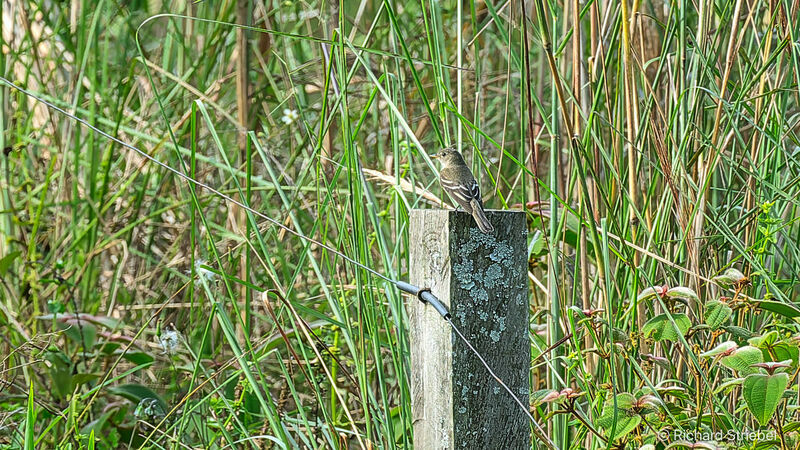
{"x": 482, "y": 278}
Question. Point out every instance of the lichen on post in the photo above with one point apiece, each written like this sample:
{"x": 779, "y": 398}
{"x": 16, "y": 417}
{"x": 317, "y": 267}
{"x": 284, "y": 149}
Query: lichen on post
{"x": 482, "y": 278}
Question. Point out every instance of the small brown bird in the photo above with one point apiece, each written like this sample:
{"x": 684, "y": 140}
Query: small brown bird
{"x": 458, "y": 181}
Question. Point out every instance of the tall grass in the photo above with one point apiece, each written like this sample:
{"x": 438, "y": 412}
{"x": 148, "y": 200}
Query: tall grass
{"x": 651, "y": 143}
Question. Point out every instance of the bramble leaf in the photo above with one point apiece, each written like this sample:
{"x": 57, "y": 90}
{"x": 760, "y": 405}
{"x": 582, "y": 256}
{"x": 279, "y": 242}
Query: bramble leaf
{"x": 762, "y": 394}
{"x": 662, "y": 328}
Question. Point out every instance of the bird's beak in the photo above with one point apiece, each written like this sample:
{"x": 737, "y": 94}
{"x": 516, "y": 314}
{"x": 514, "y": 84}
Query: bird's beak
{"x": 436, "y": 156}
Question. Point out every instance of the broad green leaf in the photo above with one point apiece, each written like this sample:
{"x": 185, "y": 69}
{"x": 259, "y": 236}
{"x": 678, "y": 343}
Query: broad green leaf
{"x": 109, "y": 348}
{"x": 97, "y": 424}
{"x": 138, "y": 358}
{"x": 82, "y": 378}
{"x": 767, "y": 340}
{"x": 6, "y": 261}
{"x": 719, "y": 349}
{"x": 785, "y": 351}
{"x": 663, "y": 330}
{"x": 762, "y": 394}
{"x": 543, "y": 396}
{"x": 739, "y": 332}
{"x": 60, "y": 370}
{"x": 647, "y": 294}
{"x": 742, "y": 359}
{"x": 625, "y": 401}
{"x": 717, "y": 314}
{"x": 649, "y": 403}
{"x": 774, "y": 349}
{"x": 674, "y": 391}
{"x": 538, "y": 243}
{"x": 577, "y": 310}
{"x": 620, "y": 336}
{"x": 789, "y": 310}
{"x": 730, "y": 277}
{"x": 682, "y": 292}
{"x": 74, "y": 331}
{"x": 626, "y": 418}
{"x": 728, "y": 384}
{"x": 398, "y": 425}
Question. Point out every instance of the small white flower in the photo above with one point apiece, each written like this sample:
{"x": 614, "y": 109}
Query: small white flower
{"x": 202, "y": 272}
{"x": 289, "y": 116}
{"x": 170, "y": 339}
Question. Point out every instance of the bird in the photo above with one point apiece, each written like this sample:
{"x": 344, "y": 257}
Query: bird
{"x": 457, "y": 180}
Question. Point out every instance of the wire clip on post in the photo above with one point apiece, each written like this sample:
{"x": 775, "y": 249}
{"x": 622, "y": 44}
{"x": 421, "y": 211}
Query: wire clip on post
{"x": 425, "y": 296}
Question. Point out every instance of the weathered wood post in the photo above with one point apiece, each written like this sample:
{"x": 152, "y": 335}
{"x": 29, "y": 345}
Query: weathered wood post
{"x": 482, "y": 278}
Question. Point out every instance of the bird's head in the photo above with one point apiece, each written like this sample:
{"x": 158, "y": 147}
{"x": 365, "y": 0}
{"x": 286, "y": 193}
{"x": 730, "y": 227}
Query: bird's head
{"x": 449, "y": 156}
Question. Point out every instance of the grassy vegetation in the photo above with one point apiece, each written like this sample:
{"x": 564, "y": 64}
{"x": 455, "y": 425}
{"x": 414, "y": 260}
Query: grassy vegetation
{"x": 653, "y": 145}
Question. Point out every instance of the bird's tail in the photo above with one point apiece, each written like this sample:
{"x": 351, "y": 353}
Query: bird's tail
{"x": 480, "y": 217}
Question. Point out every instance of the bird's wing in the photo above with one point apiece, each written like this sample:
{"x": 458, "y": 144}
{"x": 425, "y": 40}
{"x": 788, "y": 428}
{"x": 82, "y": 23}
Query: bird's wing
{"x": 464, "y": 193}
